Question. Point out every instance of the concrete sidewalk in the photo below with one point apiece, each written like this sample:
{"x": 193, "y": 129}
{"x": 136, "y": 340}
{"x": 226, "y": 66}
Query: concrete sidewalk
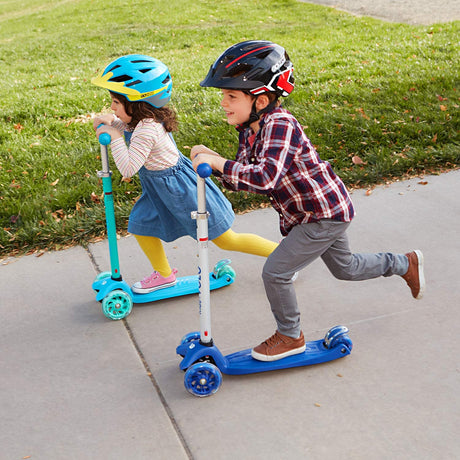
{"x": 79, "y": 386}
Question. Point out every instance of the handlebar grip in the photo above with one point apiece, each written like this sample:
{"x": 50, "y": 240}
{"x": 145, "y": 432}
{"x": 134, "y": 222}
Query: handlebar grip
{"x": 204, "y": 170}
{"x": 104, "y": 138}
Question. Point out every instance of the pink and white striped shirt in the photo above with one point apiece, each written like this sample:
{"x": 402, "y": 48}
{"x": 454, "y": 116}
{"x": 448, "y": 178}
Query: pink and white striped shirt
{"x": 150, "y": 146}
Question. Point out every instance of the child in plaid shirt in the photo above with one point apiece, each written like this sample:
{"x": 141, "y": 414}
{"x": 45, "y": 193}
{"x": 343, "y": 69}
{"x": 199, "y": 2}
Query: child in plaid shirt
{"x": 276, "y": 158}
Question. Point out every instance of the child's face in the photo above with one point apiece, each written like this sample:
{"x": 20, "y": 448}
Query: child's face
{"x": 237, "y": 106}
{"x": 119, "y": 110}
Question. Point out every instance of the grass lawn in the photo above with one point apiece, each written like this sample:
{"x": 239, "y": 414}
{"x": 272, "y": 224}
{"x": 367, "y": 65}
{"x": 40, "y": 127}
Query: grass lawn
{"x": 379, "y": 100}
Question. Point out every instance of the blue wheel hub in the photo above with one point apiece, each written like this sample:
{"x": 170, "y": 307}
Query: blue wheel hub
{"x": 202, "y": 379}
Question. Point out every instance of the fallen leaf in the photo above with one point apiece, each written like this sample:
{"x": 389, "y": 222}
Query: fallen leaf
{"x": 435, "y": 138}
{"x": 357, "y": 160}
{"x": 443, "y": 107}
{"x": 317, "y": 404}
{"x": 423, "y": 182}
{"x": 54, "y": 183}
{"x": 95, "y": 198}
{"x": 368, "y": 192}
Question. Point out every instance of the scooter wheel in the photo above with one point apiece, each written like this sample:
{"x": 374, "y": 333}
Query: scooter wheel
{"x": 228, "y": 272}
{"x": 345, "y": 342}
{"x": 202, "y": 379}
{"x": 337, "y": 336}
{"x": 117, "y": 305}
{"x": 102, "y": 276}
{"x": 190, "y": 337}
{"x": 223, "y": 268}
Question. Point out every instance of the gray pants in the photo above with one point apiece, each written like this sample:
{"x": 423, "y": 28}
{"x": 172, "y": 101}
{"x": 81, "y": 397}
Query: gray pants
{"x": 305, "y": 243}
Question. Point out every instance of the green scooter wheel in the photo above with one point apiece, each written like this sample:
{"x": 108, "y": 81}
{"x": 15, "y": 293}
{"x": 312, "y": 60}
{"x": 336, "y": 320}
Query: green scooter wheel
{"x": 102, "y": 276}
{"x": 117, "y": 305}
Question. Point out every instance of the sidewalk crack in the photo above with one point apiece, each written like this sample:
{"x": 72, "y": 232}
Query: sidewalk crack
{"x": 158, "y": 390}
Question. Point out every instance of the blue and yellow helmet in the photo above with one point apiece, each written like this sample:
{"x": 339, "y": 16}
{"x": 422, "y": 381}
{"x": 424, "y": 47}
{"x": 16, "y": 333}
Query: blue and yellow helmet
{"x": 138, "y": 78}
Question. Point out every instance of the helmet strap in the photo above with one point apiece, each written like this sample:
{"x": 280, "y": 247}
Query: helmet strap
{"x": 255, "y": 116}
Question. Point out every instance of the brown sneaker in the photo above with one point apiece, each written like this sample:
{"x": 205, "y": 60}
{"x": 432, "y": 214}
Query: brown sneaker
{"x": 278, "y": 346}
{"x": 414, "y": 276}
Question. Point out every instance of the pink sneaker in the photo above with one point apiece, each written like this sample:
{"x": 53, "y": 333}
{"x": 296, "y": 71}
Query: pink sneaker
{"x": 153, "y": 282}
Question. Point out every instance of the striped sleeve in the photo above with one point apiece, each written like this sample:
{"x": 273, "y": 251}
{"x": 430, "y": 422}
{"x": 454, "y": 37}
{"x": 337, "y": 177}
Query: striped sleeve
{"x": 130, "y": 160}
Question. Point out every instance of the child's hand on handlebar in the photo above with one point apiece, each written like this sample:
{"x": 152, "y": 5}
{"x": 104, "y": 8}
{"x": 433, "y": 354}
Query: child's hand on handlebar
{"x": 202, "y": 154}
{"x": 105, "y": 119}
{"x": 200, "y": 149}
{"x": 114, "y": 133}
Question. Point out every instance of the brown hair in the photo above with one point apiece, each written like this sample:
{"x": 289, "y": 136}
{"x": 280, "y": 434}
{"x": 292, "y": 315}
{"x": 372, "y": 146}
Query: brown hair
{"x": 140, "y": 110}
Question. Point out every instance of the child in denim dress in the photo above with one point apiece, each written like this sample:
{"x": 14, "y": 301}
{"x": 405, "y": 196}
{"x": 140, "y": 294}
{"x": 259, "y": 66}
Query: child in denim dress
{"x": 140, "y": 87}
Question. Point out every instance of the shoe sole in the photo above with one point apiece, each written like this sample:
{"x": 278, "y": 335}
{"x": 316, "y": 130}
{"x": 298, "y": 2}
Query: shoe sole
{"x": 421, "y": 275}
{"x": 261, "y": 357}
{"x": 156, "y": 288}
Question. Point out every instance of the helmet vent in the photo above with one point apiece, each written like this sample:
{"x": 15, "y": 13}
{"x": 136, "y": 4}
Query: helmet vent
{"x": 121, "y": 78}
{"x": 113, "y": 68}
{"x": 264, "y": 54}
{"x": 238, "y": 70}
{"x": 133, "y": 83}
{"x": 166, "y": 80}
{"x": 144, "y": 70}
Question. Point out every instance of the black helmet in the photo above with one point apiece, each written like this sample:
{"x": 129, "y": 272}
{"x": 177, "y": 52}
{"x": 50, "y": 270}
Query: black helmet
{"x": 255, "y": 66}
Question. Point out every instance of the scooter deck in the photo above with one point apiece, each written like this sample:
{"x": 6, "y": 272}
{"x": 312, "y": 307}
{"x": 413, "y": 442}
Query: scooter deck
{"x": 185, "y": 285}
{"x": 242, "y": 362}
{"x": 315, "y": 352}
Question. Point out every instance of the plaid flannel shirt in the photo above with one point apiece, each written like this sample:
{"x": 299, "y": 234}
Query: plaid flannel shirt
{"x": 282, "y": 163}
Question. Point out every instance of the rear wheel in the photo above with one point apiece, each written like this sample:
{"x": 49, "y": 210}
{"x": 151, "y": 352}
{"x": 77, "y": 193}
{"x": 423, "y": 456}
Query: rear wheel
{"x": 223, "y": 268}
{"x": 337, "y": 336}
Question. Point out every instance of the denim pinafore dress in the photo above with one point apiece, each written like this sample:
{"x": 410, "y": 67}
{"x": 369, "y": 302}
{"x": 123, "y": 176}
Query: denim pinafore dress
{"x": 168, "y": 198}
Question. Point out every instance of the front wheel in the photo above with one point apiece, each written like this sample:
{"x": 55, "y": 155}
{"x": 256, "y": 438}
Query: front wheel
{"x": 117, "y": 305}
{"x": 202, "y": 379}
{"x": 102, "y": 276}
{"x": 190, "y": 337}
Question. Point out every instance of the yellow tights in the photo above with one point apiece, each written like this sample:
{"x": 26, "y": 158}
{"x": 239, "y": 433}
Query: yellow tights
{"x": 153, "y": 249}
{"x": 228, "y": 241}
{"x": 245, "y": 242}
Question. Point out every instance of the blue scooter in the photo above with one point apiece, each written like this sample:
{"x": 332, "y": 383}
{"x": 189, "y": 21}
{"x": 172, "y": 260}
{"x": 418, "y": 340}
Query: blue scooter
{"x": 115, "y": 294}
{"x": 202, "y": 361}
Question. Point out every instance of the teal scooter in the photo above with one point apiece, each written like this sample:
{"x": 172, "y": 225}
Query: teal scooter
{"x": 112, "y": 291}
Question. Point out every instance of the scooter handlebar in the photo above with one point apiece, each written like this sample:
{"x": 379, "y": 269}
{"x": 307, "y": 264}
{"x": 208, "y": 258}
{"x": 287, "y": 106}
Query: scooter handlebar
{"x": 204, "y": 170}
{"x": 104, "y": 138}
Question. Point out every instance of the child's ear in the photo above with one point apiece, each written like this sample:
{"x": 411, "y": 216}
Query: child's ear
{"x": 262, "y": 102}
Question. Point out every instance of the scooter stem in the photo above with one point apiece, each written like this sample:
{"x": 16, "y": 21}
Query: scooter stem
{"x": 204, "y": 171}
{"x": 106, "y": 175}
